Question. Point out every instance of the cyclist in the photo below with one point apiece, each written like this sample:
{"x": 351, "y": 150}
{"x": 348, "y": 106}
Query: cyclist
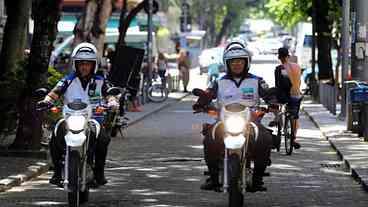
{"x": 287, "y": 81}
{"x": 213, "y": 70}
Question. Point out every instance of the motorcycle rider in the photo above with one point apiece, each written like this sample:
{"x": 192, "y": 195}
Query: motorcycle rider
{"x": 230, "y": 87}
{"x": 82, "y": 84}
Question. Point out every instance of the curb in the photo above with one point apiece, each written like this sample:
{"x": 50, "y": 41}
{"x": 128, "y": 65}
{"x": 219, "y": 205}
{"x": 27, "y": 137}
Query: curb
{"x": 354, "y": 172}
{"x": 32, "y": 172}
{"x": 39, "y": 168}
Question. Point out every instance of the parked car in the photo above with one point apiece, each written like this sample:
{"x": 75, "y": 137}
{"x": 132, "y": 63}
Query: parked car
{"x": 270, "y": 45}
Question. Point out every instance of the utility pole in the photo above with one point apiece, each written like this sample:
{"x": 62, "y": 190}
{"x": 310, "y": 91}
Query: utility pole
{"x": 359, "y": 42}
{"x": 313, "y": 79}
{"x": 359, "y": 69}
{"x": 149, "y": 39}
{"x": 345, "y": 48}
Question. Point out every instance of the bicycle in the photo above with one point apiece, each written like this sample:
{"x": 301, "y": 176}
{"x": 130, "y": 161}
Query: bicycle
{"x": 285, "y": 127}
{"x": 156, "y": 90}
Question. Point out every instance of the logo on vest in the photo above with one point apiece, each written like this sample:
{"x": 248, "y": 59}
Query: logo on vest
{"x": 248, "y": 93}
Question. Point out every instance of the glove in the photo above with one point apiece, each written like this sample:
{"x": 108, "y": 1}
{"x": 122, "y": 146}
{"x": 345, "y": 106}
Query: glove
{"x": 44, "y": 104}
{"x": 113, "y": 103}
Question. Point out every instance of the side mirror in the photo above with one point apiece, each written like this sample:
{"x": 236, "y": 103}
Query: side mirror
{"x": 113, "y": 91}
{"x": 197, "y": 92}
{"x": 40, "y": 93}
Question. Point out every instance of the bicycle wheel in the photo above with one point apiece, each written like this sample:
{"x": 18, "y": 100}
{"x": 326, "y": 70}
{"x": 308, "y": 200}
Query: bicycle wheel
{"x": 288, "y": 135}
{"x": 157, "y": 93}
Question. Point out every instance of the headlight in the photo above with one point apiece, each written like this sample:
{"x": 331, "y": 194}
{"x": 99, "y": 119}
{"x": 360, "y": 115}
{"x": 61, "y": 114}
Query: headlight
{"x": 76, "y": 123}
{"x": 235, "y": 124}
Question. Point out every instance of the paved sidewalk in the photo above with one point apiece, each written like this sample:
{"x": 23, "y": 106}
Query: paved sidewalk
{"x": 351, "y": 148}
{"x": 19, "y": 168}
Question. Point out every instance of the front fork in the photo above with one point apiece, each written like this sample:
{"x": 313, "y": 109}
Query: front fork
{"x": 245, "y": 162}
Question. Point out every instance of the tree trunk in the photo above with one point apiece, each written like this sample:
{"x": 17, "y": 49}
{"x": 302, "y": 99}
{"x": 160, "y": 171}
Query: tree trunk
{"x": 91, "y": 27}
{"x": 11, "y": 73}
{"x": 46, "y": 15}
{"x": 100, "y": 27}
{"x": 226, "y": 24}
{"x": 83, "y": 28}
{"x": 324, "y": 40}
{"x": 212, "y": 26}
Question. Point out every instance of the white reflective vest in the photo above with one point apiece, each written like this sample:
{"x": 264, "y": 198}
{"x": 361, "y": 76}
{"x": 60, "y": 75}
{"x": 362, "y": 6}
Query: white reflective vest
{"x": 247, "y": 93}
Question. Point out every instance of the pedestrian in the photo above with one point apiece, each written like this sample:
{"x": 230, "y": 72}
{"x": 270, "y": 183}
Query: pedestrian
{"x": 184, "y": 66}
{"x": 161, "y": 64}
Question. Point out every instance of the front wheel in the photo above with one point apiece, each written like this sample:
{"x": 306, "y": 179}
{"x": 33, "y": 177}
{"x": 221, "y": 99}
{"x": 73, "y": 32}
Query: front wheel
{"x": 288, "y": 135}
{"x": 235, "y": 196}
{"x": 73, "y": 178}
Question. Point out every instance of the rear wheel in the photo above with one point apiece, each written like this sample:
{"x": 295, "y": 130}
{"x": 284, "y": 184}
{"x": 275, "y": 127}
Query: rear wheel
{"x": 235, "y": 195}
{"x": 288, "y": 135}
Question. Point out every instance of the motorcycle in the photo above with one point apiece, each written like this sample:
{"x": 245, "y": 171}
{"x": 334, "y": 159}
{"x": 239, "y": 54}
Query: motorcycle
{"x": 115, "y": 120}
{"x": 237, "y": 169}
{"x": 77, "y": 162}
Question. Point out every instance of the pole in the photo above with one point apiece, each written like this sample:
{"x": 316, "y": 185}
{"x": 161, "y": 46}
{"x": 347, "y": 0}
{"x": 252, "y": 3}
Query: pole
{"x": 149, "y": 40}
{"x": 313, "y": 79}
{"x": 360, "y": 52}
{"x": 359, "y": 70}
{"x": 345, "y": 54}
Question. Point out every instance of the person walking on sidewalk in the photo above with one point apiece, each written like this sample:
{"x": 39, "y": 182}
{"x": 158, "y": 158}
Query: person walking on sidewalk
{"x": 287, "y": 81}
{"x": 161, "y": 63}
{"x": 184, "y": 66}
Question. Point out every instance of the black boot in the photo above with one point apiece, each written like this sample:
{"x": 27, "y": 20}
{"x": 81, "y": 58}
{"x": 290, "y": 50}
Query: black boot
{"x": 100, "y": 176}
{"x": 257, "y": 185}
{"x": 212, "y": 183}
{"x": 56, "y": 178}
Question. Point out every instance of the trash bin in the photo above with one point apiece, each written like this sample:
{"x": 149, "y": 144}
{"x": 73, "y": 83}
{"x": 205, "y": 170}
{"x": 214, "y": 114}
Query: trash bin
{"x": 359, "y": 101}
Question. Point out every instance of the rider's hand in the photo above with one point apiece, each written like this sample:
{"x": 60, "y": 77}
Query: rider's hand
{"x": 44, "y": 104}
{"x": 113, "y": 103}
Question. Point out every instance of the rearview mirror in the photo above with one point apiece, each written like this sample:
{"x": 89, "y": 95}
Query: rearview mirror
{"x": 197, "y": 92}
{"x": 113, "y": 91}
{"x": 40, "y": 93}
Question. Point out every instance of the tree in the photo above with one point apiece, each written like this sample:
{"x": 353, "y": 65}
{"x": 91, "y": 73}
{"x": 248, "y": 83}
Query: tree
{"x": 290, "y": 12}
{"x": 220, "y": 18}
{"x": 11, "y": 71}
{"x": 46, "y": 15}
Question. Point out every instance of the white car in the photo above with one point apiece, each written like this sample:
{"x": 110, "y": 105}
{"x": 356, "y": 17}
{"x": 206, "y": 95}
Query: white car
{"x": 269, "y": 45}
{"x": 205, "y": 58}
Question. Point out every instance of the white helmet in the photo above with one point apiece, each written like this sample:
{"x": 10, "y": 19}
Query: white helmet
{"x": 84, "y": 52}
{"x": 236, "y": 50}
